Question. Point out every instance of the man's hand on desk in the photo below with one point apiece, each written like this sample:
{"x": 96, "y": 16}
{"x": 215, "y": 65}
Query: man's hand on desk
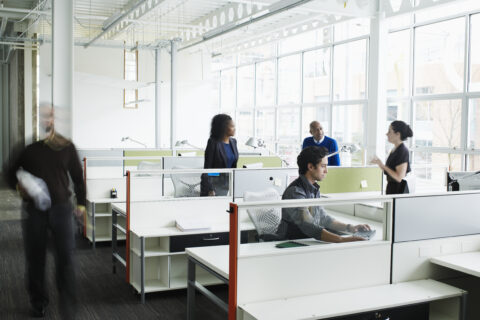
{"x": 360, "y": 227}
{"x": 352, "y": 238}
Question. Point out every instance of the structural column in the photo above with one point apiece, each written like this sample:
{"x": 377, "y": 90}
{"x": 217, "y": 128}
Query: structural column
{"x": 158, "y": 113}
{"x": 62, "y": 65}
{"x": 173, "y": 93}
{"x": 377, "y": 103}
{"x": 28, "y": 92}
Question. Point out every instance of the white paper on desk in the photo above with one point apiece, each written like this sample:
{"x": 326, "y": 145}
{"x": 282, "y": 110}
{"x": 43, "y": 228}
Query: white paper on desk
{"x": 189, "y": 224}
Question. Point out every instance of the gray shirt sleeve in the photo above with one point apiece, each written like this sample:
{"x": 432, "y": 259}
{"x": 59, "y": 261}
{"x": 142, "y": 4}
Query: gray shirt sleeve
{"x": 311, "y": 221}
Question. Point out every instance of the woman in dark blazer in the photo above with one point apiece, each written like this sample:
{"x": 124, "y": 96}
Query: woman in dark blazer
{"x": 221, "y": 152}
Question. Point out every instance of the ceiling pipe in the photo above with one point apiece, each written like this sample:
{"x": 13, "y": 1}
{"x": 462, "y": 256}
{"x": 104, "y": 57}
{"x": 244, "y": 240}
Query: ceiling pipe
{"x": 116, "y": 22}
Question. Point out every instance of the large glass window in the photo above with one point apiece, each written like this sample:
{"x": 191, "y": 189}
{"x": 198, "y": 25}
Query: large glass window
{"x": 349, "y": 70}
{"x": 228, "y": 86}
{"x": 316, "y": 75}
{"x": 246, "y": 86}
{"x": 215, "y": 90}
{"x": 349, "y": 127}
{"x": 275, "y": 90}
{"x": 265, "y": 128}
{"x": 439, "y": 57}
{"x": 265, "y": 83}
{"x": 438, "y": 123}
{"x": 398, "y": 63}
{"x": 289, "y": 80}
{"x": 289, "y": 124}
{"x": 430, "y": 168}
{"x": 474, "y": 124}
{"x": 475, "y": 53}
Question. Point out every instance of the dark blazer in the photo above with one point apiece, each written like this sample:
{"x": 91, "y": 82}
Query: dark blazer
{"x": 216, "y": 158}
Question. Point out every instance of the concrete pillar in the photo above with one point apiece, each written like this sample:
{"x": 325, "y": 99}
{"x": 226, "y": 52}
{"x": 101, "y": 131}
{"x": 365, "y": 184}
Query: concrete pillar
{"x": 377, "y": 100}
{"x": 173, "y": 93}
{"x": 158, "y": 113}
{"x": 62, "y": 65}
{"x": 28, "y": 93}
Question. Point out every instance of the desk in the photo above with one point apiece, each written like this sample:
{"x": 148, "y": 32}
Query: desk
{"x": 157, "y": 260}
{"x": 355, "y": 301}
{"x": 468, "y": 262}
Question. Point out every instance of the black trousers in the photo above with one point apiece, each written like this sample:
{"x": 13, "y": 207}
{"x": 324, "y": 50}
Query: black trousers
{"x": 59, "y": 221}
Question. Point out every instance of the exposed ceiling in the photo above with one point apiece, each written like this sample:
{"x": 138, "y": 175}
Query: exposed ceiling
{"x": 150, "y": 23}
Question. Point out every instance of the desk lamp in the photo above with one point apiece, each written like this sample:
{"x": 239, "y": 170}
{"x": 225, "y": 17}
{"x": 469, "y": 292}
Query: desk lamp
{"x": 133, "y": 140}
{"x": 260, "y": 143}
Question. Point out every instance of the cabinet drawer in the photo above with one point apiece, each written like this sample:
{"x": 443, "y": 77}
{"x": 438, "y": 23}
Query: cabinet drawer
{"x": 179, "y": 243}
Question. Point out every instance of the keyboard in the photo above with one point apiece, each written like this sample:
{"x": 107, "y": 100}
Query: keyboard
{"x": 365, "y": 234}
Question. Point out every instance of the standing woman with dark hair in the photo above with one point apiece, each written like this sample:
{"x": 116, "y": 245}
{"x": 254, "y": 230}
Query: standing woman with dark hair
{"x": 398, "y": 162}
{"x": 221, "y": 152}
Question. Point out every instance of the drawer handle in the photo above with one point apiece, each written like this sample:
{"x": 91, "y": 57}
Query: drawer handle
{"x": 211, "y": 239}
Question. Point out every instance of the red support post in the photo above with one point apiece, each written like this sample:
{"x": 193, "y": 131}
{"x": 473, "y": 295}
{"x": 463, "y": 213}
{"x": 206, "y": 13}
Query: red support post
{"x": 232, "y": 273}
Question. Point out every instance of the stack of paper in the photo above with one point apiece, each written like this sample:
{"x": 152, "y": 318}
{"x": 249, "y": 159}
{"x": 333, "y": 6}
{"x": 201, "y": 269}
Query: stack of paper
{"x": 189, "y": 224}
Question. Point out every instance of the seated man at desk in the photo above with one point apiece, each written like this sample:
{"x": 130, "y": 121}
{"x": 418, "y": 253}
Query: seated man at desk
{"x": 303, "y": 222}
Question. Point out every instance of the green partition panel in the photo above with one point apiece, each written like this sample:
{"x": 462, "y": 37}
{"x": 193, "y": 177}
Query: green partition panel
{"x": 268, "y": 161}
{"x": 200, "y": 153}
{"x": 145, "y": 153}
{"x": 349, "y": 179}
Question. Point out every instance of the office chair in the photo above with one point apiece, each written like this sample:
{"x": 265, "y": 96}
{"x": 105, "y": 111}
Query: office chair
{"x": 187, "y": 184}
{"x": 265, "y": 220}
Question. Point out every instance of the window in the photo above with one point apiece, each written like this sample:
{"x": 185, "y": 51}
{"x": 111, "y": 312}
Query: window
{"x": 130, "y": 73}
{"x": 474, "y": 84}
{"x": 246, "y": 87}
{"x": 265, "y": 84}
{"x": 474, "y": 124}
{"x": 316, "y": 76}
{"x": 437, "y": 123}
{"x": 439, "y": 57}
{"x": 265, "y": 128}
{"x": 349, "y": 70}
{"x": 430, "y": 168}
{"x": 277, "y": 98}
{"x": 398, "y": 63}
{"x": 289, "y": 124}
{"x": 227, "y": 89}
{"x": 348, "y": 127}
{"x": 289, "y": 80}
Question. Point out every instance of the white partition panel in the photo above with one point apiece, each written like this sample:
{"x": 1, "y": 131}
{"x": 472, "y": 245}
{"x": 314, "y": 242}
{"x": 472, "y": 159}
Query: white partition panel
{"x": 100, "y": 188}
{"x": 411, "y": 260}
{"x": 266, "y": 273}
{"x": 436, "y": 216}
{"x": 147, "y": 216}
{"x": 256, "y": 180}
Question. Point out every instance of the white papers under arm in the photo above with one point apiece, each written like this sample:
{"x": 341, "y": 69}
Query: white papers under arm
{"x": 36, "y": 188}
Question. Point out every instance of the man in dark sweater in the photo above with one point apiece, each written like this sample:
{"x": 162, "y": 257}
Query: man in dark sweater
{"x": 53, "y": 160}
{"x": 319, "y": 139}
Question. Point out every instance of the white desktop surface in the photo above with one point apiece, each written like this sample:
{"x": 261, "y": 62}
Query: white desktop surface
{"x": 350, "y": 195}
{"x": 106, "y": 200}
{"x": 347, "y": 302}
{"x": 468, "y": 262}
{"x": 174, "y": 231}
{"x": 215, "y": 258}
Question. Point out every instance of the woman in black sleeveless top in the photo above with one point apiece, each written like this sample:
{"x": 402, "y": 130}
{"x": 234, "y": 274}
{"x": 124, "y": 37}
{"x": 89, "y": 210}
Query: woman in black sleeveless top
{"x": 398, "y": 162}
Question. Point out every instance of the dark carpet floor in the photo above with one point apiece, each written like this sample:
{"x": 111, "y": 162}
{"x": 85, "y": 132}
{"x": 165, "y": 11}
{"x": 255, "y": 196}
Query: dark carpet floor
{"x": 102, "y": 295}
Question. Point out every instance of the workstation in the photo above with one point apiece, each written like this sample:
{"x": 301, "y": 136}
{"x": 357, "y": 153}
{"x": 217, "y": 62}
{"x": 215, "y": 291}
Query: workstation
{"x": 192, "y": 123}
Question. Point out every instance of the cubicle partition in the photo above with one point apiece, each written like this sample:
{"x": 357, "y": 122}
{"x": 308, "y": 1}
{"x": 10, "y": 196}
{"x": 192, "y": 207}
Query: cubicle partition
{"x": 352, "y": 179}
{"x": 104, "y": 178}
{"x": 257, "y": 180}
{"x": 158, "y": 231}
{"x": 436, "y": 225}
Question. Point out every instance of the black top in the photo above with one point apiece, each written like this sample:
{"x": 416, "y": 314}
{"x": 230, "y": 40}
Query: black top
{"x": 216, "y": 158}
{"x": 397, "y": 157}
{"x": 53, "y": 167}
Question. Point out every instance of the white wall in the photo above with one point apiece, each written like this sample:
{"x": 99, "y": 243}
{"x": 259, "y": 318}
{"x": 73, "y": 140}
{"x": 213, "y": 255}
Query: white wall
{"x": 99, "y": 119}
{"x": 193, "y": 102}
